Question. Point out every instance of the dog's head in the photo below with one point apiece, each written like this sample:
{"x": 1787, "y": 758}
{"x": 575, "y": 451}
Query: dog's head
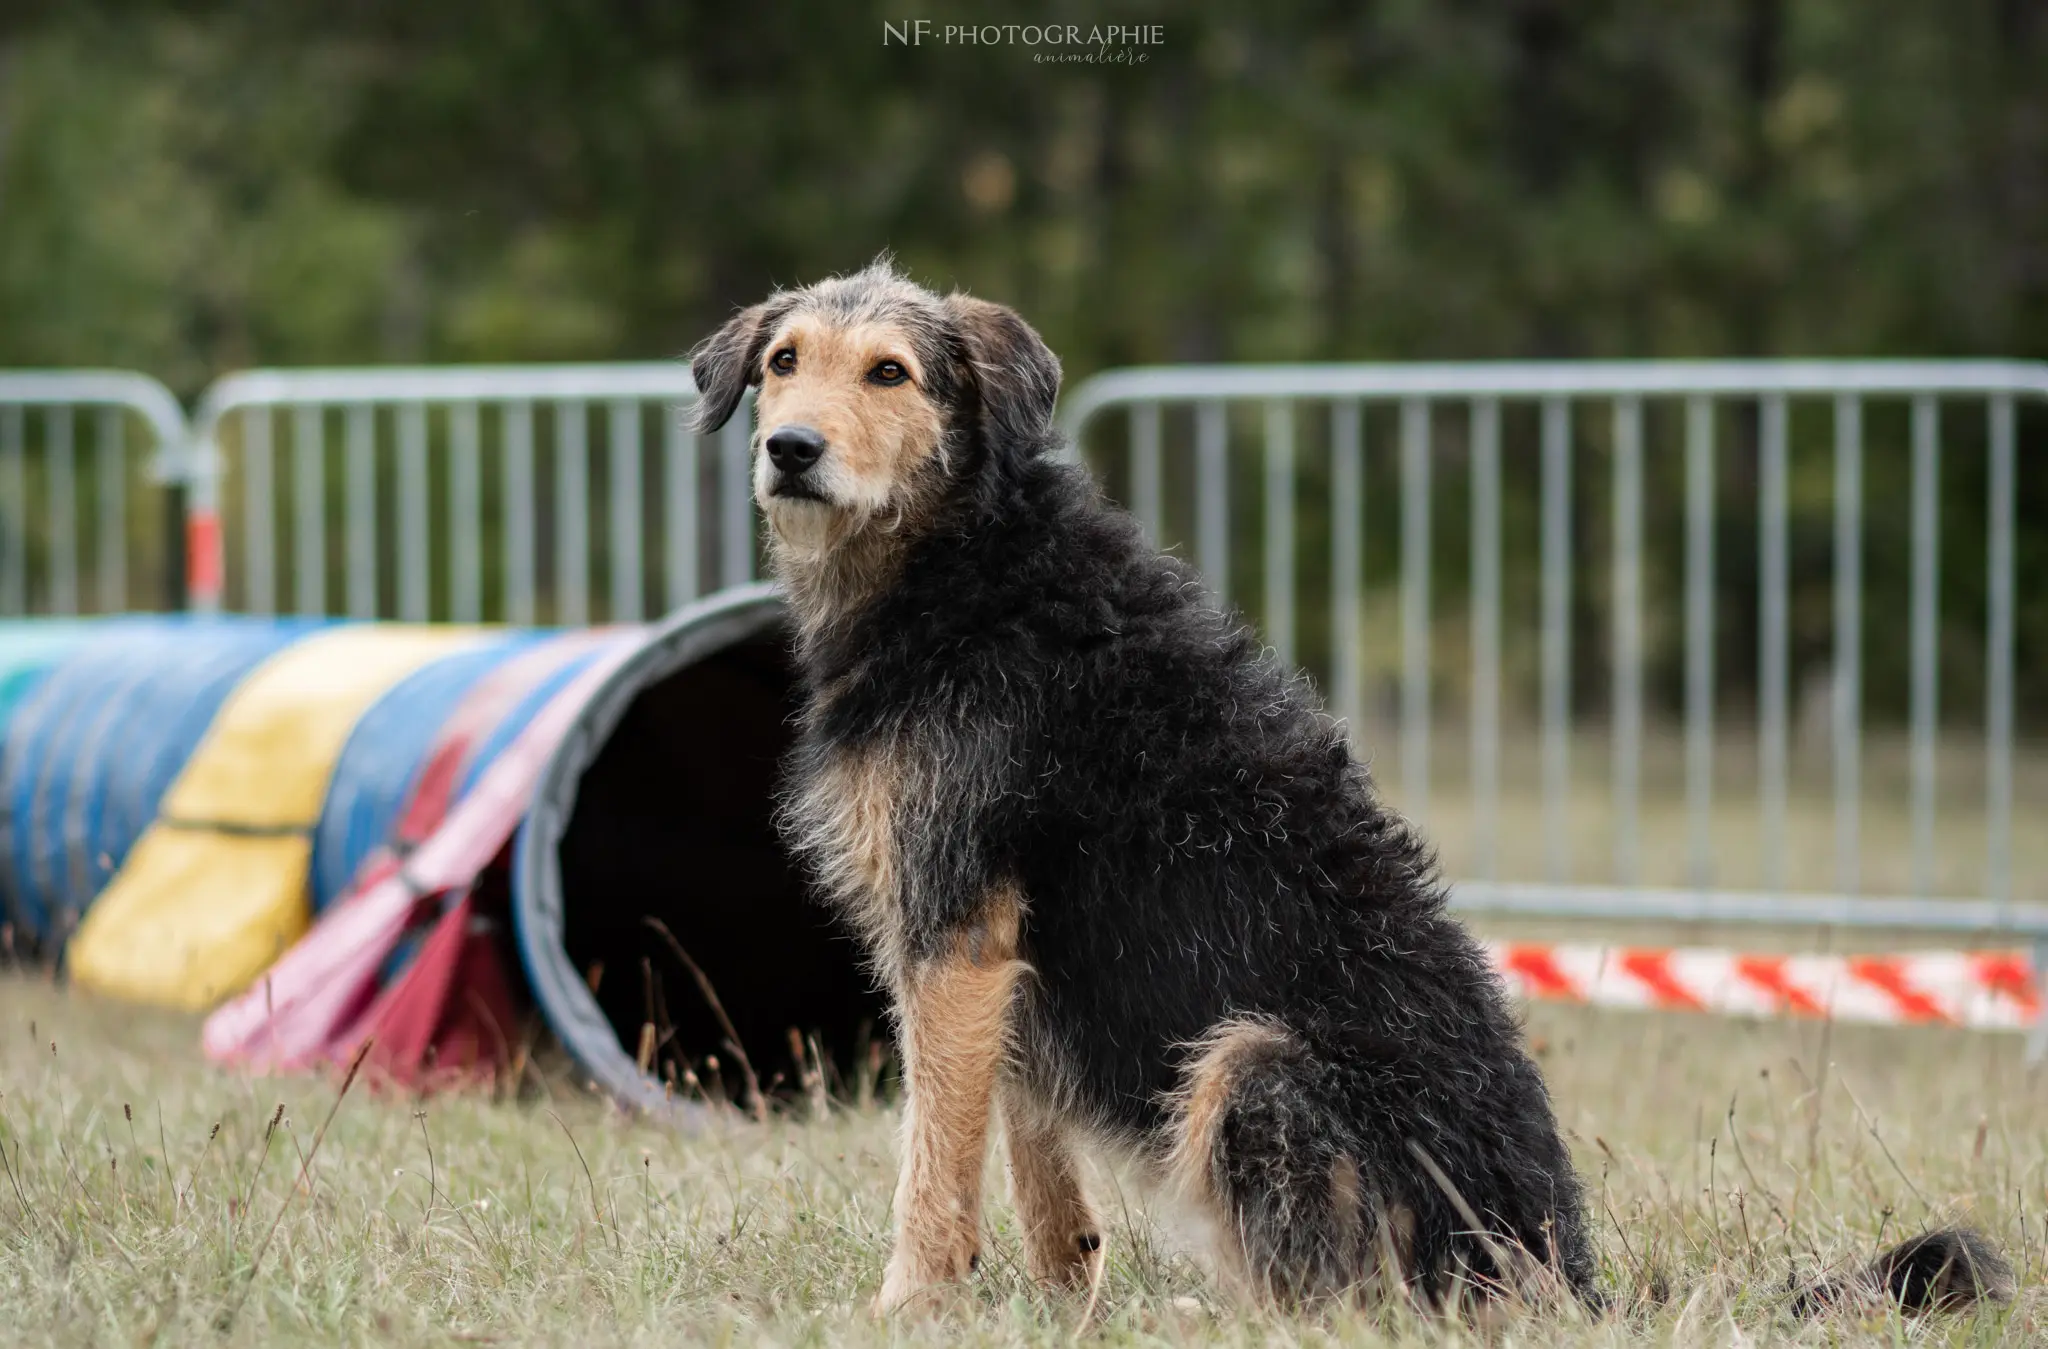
{"x": 879, "y": 401}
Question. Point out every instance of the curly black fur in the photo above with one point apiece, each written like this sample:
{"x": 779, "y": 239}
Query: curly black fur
{"x": 1196, "y": 845}
{"x": 1196, "y": 842}
{"x": 1936, "y": 1271}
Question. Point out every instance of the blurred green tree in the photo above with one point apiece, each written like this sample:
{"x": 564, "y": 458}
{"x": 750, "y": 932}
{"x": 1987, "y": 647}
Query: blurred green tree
{"x": 193, "y": 187}
{"x": 199, "y": 186}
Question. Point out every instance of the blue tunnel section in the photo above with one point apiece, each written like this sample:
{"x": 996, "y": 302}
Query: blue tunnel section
{"x": 384, "y": 755}
{"x": 91, "y": 750}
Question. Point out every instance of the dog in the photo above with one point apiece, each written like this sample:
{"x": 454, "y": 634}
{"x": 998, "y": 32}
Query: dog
{"x": 1123, "y": 879}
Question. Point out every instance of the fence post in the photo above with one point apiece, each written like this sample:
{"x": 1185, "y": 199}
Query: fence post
{"x": 1627, "y": 654}
{"x": 14, "y": 493}
{"x": 1347, "y": 542}
{"x": 1280, "y": 528}
{"x": 1848, "y": 692}
{"x": 196, "y": 475}
{"x": 1925, "y": 676}
{"x": 1415, "y": 587}
{"x": 1485, "y": 436}
{"x": 1998, "y": 694}
{"x": 1556, "y": 637}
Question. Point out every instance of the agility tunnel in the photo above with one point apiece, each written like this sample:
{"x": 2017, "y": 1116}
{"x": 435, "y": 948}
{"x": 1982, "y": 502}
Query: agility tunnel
{"x": 429, "y": 848}
{"x": 431, "y": 841}
{"x": 594, "y": 835}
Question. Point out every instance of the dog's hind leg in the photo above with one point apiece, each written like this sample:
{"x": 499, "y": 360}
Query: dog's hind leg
{"x": 954, "y": 1012}
{"x": 1256, "y": 1147}
{"x": 1062, "y": 1238}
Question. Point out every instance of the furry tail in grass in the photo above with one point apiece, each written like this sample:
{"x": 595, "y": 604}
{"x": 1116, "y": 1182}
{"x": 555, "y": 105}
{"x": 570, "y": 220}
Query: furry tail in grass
{"x": 1947, "y": 1270}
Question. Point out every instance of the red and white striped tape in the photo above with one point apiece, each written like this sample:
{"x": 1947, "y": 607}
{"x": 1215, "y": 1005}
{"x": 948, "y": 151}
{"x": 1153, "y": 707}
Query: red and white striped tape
{"x": 1985, "y": 990}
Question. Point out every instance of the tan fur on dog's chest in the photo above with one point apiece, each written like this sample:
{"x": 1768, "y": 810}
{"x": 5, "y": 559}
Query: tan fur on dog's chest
{"x": 847, "y": 816}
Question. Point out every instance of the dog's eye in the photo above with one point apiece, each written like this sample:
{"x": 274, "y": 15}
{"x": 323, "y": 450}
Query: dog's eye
{"x": 889, "y": 372}
{"x": 783, "y": 362}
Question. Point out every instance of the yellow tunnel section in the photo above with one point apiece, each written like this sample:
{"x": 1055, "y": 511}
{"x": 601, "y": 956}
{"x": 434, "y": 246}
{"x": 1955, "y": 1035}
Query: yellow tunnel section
{"x": 216, "y": 888}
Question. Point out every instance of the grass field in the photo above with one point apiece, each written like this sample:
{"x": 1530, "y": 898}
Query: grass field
{"x": 139, "y": 1196}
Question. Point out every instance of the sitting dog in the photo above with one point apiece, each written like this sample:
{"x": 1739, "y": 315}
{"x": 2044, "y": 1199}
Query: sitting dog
{"x": 1124, "y": 880}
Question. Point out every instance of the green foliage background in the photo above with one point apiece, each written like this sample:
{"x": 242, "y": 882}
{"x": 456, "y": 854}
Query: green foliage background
{"x": 188, "y": 188}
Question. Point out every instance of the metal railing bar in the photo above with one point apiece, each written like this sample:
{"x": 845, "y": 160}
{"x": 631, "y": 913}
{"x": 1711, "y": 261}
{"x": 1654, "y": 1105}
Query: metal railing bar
{"x": 1148, "y": 500}
{"x": 14, "y": 496}
{"x": 623, "y": 465}
{"x": 1998, "y": 693}
{"x": 123, "y": 388}
{"x": 679, "y": 533}
{"x": 1212, "y": 497}
{"x": 361, "y": 451}
{"x": 1627, "y": 633}
{"x": 1555, "y": 655}
{"x": 572, "y": 512}
{"x": 1631, "y": 903}
{"x": 736, "y": 493}
{"x": 112, "y": 500}
{"x": 413, "y": 573}
{"x": 516, "y": 434}
{"x": 259, "y": 526}
{"x": 1415, "y": 587}
{"x": 1347, "y": 544}
{"x": 1773, "y": 638}
{"x": 465, "y": 513}
{"x": 1699, "y": 640}
{"x": 1547, "y": 379}
{"x": 62, "y": 470}
{"x": 1280, "y": 528}
{"x": 309, "y": 492}
{"x": 1486, "y": 526}
{"x": 389, "y": 385}
{"x": 1848, "y": 691}
{"x": 1925, "y": 672}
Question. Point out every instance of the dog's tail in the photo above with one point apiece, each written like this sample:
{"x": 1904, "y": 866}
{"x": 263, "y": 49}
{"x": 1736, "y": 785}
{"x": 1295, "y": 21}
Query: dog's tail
{"x": 1947, "y": 1270}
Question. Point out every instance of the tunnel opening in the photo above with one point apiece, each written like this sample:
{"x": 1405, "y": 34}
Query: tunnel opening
{"x": 673, "y": 826}
{"x": 656, "y": 821}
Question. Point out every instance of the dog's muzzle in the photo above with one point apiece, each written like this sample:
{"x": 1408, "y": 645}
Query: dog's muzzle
{"x": 793, "y": 450}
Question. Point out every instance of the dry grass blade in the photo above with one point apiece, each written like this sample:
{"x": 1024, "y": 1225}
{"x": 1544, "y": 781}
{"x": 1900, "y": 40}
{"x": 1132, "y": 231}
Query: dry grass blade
{"x": 596, "y": 1209}
{"x": 757, "y": 1103}
{"x": 256, "y": 1174}
{"x": 355, "y": 1065}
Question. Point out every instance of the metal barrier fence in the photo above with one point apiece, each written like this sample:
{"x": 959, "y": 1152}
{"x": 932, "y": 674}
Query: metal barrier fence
{"x": 68, "y": 539}
{"x": 471, "y": 493}
{"x": 464, "y": 493}
{"x": 1173, "y": 441}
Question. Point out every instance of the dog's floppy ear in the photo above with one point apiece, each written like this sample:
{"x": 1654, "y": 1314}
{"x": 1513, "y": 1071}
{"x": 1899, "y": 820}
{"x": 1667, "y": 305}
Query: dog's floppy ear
{"x": 725, "y": 363}
{"x": 1016, "y": 376}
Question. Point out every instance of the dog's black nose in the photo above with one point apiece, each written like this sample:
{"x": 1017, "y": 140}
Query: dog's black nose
{"x": 793, "y": 449}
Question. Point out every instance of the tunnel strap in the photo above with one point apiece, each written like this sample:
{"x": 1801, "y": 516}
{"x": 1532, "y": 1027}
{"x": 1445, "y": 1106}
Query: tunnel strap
{"x": 236, "y": 828}
{"x": 420, "y": 888}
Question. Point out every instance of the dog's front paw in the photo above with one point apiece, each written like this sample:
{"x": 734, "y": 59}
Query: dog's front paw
{"x": 899, "y": 1288}
{"x": 918, "y": 1285}
{"x": 1063, "y": 1259}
